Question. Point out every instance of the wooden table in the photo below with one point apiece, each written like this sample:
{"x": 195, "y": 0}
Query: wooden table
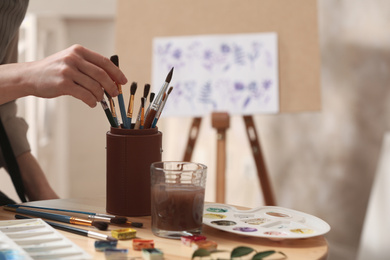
{"x": 309, "y": 248}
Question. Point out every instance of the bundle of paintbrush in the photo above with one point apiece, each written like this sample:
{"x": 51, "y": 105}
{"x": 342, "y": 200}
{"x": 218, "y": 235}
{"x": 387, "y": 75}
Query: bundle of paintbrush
{"x": 91, "y": 216}
{"x": 57, "y": 217}
{"x": 146, "y": 118}
{"x": 74, "y": 230}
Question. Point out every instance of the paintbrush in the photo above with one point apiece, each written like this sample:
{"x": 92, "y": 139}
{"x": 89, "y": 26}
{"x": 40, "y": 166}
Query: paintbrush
{"x": 164, "y": 101}
{"x": 74, "y": 230}
{"x": 146, "y": 93}
{"x": 112, "y": 106}
{"x": 91, "y": 215}
{"x": 154, "y": 122}
{"x": 133, "y": 89}
{"x": 115, "y": 60}
{"x": 142, "y": 113}
{"x": 61, "y": 218}
{"x": 108, "y": 113}
{"x": 151, "y": 98}
{"x": 157, "y": 101}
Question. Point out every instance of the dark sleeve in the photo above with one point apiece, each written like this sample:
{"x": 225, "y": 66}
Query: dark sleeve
{"x": 15, "y": 127}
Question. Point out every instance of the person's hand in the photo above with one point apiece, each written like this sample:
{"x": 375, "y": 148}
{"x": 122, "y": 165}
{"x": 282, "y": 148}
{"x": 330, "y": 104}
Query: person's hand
{"x": 75, "y": 71}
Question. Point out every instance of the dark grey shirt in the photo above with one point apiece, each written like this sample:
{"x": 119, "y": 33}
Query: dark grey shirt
{"x": 12, "y": 13}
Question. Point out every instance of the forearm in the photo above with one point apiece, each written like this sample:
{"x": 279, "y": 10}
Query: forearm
{"x": 75, "y": 71}
{"x": 34, "y": 180}
{"x": 14, "y": 82}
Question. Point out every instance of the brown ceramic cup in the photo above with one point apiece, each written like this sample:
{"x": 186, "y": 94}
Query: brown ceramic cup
{"x": 129, "y": 154}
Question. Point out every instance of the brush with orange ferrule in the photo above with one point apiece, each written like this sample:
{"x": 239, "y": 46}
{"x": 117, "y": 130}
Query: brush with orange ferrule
{"x": 57, "y": 217}
{"x": 157, "y": 101}
{"x": 130, "y": 109}
{"x": 146, "y": 93}
{"x": 115, "y": 60}
{"x": 142, "y": 113}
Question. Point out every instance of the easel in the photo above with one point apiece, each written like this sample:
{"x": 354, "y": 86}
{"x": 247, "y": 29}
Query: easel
{"x": 220, "y": 121}
{"x": 300, "y": 78}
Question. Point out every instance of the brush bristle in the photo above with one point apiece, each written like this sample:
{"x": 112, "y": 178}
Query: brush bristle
{"x": 151, "y": 97}
{"x": 118, "y": 220}
{"x": 170, "y": 90}
{"x": 169, "y": 76}
{"x": 143, "y": 102}
{"x": 100, "y": 225}
{"x": 146, "y": 90}
{"x": 136, "y": 224}
{"x": 133, "y": 88}
{"x": 115, "y": 60}
{"x": 110, "y": 238}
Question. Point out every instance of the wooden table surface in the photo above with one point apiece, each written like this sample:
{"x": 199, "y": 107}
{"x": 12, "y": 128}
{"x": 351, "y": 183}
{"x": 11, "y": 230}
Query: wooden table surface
{"x": 309, "y": 248}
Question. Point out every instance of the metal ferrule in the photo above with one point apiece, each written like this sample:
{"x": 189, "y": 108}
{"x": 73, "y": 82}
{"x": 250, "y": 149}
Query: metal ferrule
{"x": 99, "y": 218}
{"x": 80, "y": 221}
{"x": 104, "y": 215}
{"x": 158, "y": 99}
{"x": 97, "y": 235}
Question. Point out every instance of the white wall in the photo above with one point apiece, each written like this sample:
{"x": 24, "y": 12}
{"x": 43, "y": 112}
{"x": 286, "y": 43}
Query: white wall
{"x": 66, "y": 136}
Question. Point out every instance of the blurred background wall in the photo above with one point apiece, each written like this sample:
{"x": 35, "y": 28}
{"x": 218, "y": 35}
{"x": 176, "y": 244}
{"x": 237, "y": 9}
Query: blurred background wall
{"x": 322, "y": 163}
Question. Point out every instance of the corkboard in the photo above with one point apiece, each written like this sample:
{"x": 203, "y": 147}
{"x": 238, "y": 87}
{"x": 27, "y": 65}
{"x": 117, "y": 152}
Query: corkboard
{"x": 295, "y": 22}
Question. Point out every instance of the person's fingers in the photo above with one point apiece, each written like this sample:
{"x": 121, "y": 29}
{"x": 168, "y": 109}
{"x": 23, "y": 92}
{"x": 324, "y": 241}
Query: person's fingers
{"x": 98, "y": 75}
{"x": 92, "y": 85}
{"x": 86, "y": 74}
{"x": 102, "y": 62}
{"x": 81, "y": 93}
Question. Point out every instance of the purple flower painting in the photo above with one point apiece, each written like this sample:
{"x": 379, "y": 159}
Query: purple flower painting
{"x": 235, "y": 73}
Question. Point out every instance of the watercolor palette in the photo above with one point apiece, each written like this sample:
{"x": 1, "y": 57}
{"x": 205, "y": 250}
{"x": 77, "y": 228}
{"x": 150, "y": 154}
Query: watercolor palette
{"x": 35, "y": 239}
{"x": 271, "y": 222}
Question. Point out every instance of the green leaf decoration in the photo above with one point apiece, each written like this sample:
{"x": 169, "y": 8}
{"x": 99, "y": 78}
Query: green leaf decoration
{"x": 201, "y": 252}
{"x": 261, "y": 255}
{"x": 237, "y": 252}
{"x": 283, "y": 254}
{"x": 218, "y": 251}
{"x": 241, "y": 251}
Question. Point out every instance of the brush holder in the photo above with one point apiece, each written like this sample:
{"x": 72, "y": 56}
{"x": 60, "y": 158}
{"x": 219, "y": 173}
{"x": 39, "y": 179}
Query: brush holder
{"x": 129, "y": 154}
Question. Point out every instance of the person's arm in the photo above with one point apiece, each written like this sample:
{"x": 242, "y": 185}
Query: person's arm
{"x": 75, "y": 71}
{"x": 34, "y": 180}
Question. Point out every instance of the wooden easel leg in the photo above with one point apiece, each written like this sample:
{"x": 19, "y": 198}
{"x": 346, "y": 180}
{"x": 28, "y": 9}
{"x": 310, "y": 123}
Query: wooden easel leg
{"x": 260, "y": 164}
{"x": 220, "y": 121}
{"x": 192, "y": 137}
